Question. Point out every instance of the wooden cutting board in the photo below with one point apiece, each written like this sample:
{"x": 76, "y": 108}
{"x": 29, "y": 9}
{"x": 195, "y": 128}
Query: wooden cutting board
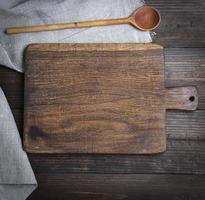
{"x": 98, "y": 98}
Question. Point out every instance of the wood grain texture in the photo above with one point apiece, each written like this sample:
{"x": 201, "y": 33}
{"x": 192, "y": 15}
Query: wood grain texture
{"x": 181, "y": 98}
{"x": 98, "y": 98}
{"x": 185, "y": 131}
{"x": 182, "y": 23}
{"x": 183, "y": 66}
{"x": 184, "y": 155}
{"x": 119, "y": 187}
{"x": 94, "y": 98}
{"x": 186, "y": 67}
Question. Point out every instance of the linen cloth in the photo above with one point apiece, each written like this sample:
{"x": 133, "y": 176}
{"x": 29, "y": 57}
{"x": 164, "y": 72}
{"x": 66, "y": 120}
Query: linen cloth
{"x": 16, "y": 176}
{"x": 17, "y": 180}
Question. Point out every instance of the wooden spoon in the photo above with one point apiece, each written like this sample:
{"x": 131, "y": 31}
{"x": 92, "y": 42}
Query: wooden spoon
{"x": 145, "y": 18}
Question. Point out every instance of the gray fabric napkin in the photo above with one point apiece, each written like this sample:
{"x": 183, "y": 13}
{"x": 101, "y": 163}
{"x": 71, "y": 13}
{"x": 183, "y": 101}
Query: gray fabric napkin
{"x": 16, "y": 176}
{"x": 17, "y": 180}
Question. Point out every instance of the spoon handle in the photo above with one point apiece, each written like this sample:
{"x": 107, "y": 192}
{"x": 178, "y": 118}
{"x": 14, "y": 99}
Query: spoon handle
{"x": 50, "y": 27}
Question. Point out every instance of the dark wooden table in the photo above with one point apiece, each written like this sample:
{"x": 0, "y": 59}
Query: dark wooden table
{"x": 176, "y": 174}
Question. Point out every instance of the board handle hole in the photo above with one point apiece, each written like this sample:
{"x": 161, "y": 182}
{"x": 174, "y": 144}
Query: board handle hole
{"x": 191, "y": 98}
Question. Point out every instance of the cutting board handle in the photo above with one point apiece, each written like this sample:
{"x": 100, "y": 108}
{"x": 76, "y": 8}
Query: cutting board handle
{"x": 181, "y": 98}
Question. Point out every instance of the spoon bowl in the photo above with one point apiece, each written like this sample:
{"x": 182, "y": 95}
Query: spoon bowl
{"x": 145, "y": 18}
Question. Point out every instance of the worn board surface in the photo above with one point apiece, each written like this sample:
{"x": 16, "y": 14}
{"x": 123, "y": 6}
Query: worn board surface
{"x": 98, "y": 98}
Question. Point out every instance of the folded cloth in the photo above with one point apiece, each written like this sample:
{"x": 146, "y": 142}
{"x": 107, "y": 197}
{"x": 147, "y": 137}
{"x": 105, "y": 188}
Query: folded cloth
{"x": 40, "y": 12}
{"x": 17, "y": 180}
{"x": 16, "y": 176}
